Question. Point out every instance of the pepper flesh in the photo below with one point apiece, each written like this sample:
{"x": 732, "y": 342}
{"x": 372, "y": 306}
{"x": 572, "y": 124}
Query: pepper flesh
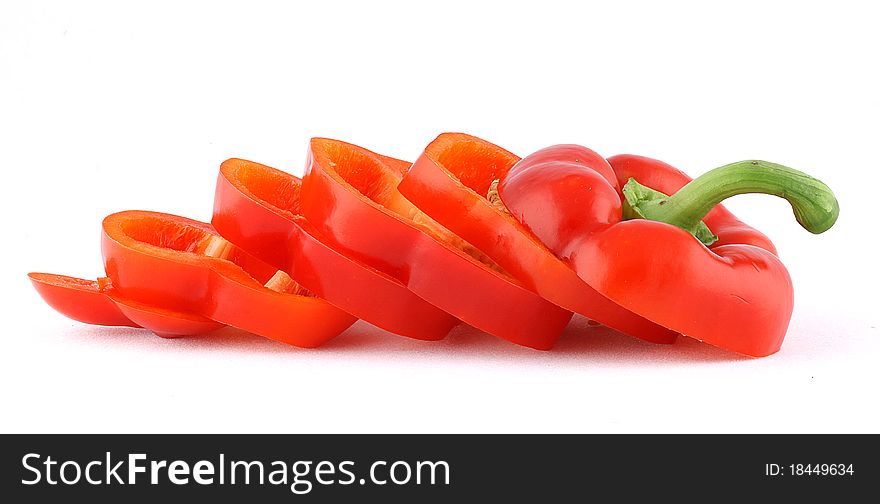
{"x": 736, "y": 296}
{"x": 79, "y": 299}
{"x": 350, "y": 196}
{"x": 160, "y": 260}
{"x": 450, "y": 182}
{"x": 95, "y": 302}
{"x": 257, "y": 208}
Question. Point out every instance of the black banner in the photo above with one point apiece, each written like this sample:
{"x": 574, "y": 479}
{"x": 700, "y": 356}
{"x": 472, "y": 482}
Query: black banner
{"x": 408, "y": 468}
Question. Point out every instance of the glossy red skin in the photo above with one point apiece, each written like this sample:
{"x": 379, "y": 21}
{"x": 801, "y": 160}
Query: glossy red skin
{"x": 454, "y": 193}
{"x": 154, "y": 258}
{"x": 569, "y": 153}
{"x": 440, "y": 273}
{"x": 734, "y": 296}
{"x": 257, "y": 208}
{"x": 79, "y": 299}
{"x": 91, "y": 302}
{"x": 164, "y": 323}
{"x": 583, "y": 185}
{"x": 668, "y": 179}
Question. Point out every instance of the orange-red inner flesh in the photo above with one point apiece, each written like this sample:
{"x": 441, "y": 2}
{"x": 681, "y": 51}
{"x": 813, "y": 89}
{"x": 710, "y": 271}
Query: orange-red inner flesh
{"x": 475, "y": 164}
{"x": 364, "y": 172}
{"x": 375, "y": 179}
{"x": 66, "y": 281}
{"x": 279, "y": 189}
{"x": 182, "y": 237}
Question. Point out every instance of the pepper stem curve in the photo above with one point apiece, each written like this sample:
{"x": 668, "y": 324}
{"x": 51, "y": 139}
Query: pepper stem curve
{"x": 813, "y": 202}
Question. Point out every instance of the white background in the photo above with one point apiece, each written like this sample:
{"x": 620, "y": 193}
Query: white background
{"x": 105, "y": 107}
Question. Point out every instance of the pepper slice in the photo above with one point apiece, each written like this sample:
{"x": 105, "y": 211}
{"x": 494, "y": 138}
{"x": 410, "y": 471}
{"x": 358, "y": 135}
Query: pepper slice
{"x": 79, "y": 299}
{"x": 668, "y": 264}
{"x": 95, "y": 302}
{"x": 177, "y": 263}
{"x": 257, "y": 208}
{"x": 350, "y": 196}
{"x": 451, "y": 182}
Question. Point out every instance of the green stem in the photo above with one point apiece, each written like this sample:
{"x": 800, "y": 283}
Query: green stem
{"x": 814, "y": 205}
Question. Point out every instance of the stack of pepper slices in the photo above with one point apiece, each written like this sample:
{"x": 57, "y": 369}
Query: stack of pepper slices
{"x": 468, "y": 233}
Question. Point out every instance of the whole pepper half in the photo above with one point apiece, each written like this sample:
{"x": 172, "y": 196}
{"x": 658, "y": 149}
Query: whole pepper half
{"x": 452, "y": 181}
{"x": 661, "y": 255}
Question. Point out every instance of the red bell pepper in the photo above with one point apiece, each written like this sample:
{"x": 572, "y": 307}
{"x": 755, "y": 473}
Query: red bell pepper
{"x": 451, "y": 182}
{"x": 730, "y": 290}
{"x": 257, "y": 208}
{"x": 96, "y": 302}
{"x": 184, "y": 265}
{"x": 350, "y": 196}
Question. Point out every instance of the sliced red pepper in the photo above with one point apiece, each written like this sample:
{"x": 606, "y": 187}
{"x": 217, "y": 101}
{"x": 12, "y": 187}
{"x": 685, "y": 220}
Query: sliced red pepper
{"x": 95, "y": 302}
{"x": 350, "y": 196}
{"x": 163, "y": 322}
{"x": 79, "y": 299}
{"x": 172, "y": 262}
{"x": 257, "y": 208}
{"x": 451, "y": 181}
{"x": 736, "y": 296}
